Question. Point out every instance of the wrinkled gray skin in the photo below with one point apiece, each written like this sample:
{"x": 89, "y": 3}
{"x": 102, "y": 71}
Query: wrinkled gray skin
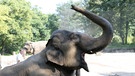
{"x": 34, "y": 47}
{"x": 64, "y": 52}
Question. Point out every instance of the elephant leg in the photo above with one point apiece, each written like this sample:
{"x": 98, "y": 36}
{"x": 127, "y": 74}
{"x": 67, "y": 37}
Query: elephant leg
{"x": 78, "y": 72}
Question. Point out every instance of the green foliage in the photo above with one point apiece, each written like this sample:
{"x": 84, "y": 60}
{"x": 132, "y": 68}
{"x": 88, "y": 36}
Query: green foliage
{"x": 133, "y": 40}
{"x": 121, "y": 46}
{"x": 20, "y": 23}
{"x": 65, "y": 17}
{"x": 116, "y": 40}
{"x": 120, "y": 13}
{"x": 3, "y": 16}
{"x": 39, "y": 22}
{"x": 17, "y": 23}
{"x": 52, "y": 23}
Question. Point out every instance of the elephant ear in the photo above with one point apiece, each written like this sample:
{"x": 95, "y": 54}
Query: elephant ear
{"x": 55, "y": 56}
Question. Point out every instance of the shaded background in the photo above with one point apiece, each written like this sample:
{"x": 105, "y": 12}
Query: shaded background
{"x": 22, "y": 21}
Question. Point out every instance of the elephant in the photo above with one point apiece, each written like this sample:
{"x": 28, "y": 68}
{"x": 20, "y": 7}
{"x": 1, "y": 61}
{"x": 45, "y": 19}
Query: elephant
{"x": 64, "y": 52}
{"x": 34, "y": 47}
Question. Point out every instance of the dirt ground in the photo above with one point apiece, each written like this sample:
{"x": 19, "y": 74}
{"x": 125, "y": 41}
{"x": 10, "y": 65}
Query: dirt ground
{"x": 110, "y": 64}
{"x": 104, "y": 64}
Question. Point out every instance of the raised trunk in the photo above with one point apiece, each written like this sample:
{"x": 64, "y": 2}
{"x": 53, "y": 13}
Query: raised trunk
{"x": 93, "y": 45}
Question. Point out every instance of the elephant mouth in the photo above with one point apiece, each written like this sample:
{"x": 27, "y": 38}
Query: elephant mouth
{"x": 83, "y": 62}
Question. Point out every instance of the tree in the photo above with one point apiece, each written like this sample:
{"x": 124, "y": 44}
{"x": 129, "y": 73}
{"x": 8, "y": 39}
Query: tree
{"x": 74, "y": 21}
{"x": 19, "y": 22}
{"x": 119, "y": 12}
{"x": 3, "y": 26}
{"x": 52, "y": 23}
{"x": 39, "y": 22}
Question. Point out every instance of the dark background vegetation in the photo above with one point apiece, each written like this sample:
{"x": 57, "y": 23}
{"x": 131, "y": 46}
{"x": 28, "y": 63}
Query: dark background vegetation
{"x": 21, "y": 22}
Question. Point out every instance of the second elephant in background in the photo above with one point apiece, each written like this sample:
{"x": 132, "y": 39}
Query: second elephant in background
{"x": 34, "y": 47}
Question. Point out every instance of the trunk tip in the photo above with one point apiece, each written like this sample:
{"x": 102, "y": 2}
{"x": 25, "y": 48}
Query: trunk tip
{"x": 72, "y": 6}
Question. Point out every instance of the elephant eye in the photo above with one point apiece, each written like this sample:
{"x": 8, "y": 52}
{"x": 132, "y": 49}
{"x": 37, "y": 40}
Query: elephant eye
{"x": 56, "y": 40}
{"x": 56, "y": 46}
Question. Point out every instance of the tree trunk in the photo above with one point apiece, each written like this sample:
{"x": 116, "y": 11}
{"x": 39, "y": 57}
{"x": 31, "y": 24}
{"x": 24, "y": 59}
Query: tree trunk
{"x": 127, "y": 27}
{"x": 121, "y": 24}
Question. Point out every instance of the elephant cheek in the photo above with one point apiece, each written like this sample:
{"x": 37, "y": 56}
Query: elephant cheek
{"x": 84, "y": 66}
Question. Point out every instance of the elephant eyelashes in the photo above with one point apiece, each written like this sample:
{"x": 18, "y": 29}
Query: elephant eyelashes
{"x": 56, "y": 42}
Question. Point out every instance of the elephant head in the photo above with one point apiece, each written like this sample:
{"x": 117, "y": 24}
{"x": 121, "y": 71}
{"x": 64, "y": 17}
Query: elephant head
{"x": 64, "y": 51}
{"x": 72, "y": 46}
{"x": 28, "y": 47}
{"x": 34, "y": 47}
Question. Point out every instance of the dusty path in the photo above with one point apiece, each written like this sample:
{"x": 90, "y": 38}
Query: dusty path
{"x": 111, "y": 64}
{"x": 105, "y": 64}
